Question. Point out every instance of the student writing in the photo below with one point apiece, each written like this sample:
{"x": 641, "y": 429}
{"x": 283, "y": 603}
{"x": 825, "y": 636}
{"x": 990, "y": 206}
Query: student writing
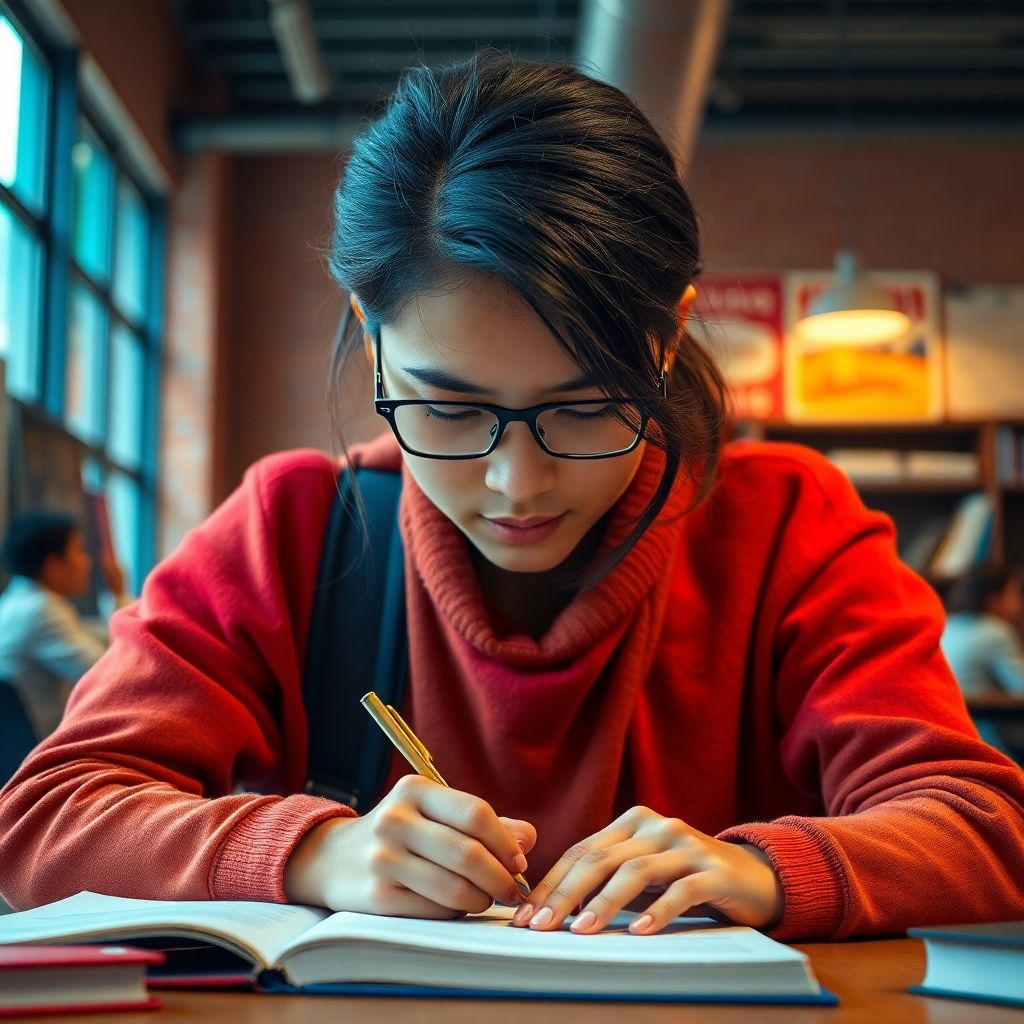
{"x": 651, "y": 663}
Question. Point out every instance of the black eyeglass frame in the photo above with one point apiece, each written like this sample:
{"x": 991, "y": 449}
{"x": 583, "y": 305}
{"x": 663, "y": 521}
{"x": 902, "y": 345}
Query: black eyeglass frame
{"x": 386, "y": 407}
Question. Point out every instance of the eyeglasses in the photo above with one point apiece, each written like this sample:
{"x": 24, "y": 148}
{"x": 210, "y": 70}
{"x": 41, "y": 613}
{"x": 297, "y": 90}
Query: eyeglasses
{"x": 596, "y": 428}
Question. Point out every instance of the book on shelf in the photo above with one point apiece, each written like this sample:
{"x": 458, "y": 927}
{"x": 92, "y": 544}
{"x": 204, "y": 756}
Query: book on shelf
{"x": 968, "y": 539}
{"x": 919, "y": 548}
{"x": 964, "y": 467}
{"x": 74, "y": 979}
{"x": 983, "y": 962}
{"x": 289, "y": 948}
{"x": 1009, "y": 455}
{"x": 869, "y": 465}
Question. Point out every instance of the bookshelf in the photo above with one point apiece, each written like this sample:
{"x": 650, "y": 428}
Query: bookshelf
{"x": 898, "y": 469}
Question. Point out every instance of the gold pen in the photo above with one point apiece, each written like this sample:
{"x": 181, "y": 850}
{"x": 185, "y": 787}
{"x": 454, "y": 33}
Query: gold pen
{"x": 410, "y": 747}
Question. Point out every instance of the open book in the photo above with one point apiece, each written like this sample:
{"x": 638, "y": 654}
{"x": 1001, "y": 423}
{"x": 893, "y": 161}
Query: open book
{"x": 305, "y": 947}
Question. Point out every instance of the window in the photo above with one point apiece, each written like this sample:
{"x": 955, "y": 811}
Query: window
{"x": 25, "y": 94}
{"x": 79, "y": 241}
{"x": 111, "y": 346}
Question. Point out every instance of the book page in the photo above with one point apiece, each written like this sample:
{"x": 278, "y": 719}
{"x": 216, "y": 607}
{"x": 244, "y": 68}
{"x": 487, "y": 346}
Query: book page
{"x": 684, "y": 941}
{"x": 258, "y": 931}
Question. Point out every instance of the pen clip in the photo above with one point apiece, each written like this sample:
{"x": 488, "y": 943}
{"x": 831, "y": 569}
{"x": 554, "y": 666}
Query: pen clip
{"x": 417, "y": 743}
{"x": 409, "y": 734}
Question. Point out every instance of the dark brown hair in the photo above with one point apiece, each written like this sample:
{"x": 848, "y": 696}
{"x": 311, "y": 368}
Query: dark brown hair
{"x": 557, "y": 185}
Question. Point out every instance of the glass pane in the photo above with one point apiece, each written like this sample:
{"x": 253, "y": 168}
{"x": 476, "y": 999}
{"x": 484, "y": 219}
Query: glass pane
{"x": 132, "y": 252}
{"x": 21, "y": 305}
{"x": 93, "y": 204}
{"x": 125, "y": 508}
{"x": 84, "y": 394}
{"x": 24, "y": 118}
{"x": 127, "y": 393}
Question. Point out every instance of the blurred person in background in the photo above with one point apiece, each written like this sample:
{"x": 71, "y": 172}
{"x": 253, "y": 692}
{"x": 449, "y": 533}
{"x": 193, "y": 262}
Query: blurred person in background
{"x": 45, "y": 645}
{"x": 982, "y": 644}
{"x": 981, "y": 641}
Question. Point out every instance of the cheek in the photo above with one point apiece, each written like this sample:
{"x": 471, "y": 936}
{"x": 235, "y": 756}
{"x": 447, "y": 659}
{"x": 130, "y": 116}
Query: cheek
{"x": 449, "y": 485}
{"x": 605, "y": 481}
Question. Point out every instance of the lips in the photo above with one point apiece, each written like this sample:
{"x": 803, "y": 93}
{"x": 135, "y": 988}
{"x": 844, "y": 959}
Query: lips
{"x": 525, "y": 531}
{"x": 521, "y": 524}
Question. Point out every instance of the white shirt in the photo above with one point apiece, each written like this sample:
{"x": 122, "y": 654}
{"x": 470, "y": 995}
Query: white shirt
{"x": 984, "y": 653}
{"x": 45, "y": 647}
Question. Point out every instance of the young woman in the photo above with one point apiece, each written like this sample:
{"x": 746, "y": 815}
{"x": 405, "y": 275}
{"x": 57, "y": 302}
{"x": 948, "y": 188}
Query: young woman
{"x": 679, "y": 674}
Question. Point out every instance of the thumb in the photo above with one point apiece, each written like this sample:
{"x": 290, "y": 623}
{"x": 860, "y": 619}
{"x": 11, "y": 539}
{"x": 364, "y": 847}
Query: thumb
{"x": 522, "y": 832}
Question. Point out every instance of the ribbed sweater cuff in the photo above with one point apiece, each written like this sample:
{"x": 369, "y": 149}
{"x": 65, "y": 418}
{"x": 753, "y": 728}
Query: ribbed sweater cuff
{"x": 812, "y": 877}
{"x": 250, "y": 863}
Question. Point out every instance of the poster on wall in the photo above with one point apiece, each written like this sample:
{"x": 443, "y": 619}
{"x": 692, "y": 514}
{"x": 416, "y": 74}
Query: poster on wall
{"x": 895, "y": 381}
{"x": 741, "y": 315}
{"x": 985, "y": 352}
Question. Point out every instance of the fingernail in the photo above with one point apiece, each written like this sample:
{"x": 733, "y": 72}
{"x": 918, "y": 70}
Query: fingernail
{"x": 584, "y": 921}
{"x": 542, "y": 917}
{"x": 641, "y": 924}
{"x": 523, "y": 914}
{"x": 514, "y": 897}
{"x": 520, "y": 863}
{"x": 521, "y": 845}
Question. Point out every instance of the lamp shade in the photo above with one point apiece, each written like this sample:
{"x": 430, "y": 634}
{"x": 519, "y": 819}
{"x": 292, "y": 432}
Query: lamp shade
{"x": 854, "y": 311}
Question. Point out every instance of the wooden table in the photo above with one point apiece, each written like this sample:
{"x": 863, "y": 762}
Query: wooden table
{"x": 870, "y": 978}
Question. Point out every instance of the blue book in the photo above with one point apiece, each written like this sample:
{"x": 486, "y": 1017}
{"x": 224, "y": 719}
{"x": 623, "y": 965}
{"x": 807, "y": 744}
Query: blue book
{"x": 311, "y": 950}
{"x": 979, "y": 962}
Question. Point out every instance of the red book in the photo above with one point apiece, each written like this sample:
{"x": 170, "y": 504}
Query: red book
{"x": 74, "y": 979}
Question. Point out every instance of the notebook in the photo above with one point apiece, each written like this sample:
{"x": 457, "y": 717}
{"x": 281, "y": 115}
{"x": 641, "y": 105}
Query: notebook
{"x": 73, "y": 979}
{"x": 982, "y": 962}
{"x": 294, "y": 948}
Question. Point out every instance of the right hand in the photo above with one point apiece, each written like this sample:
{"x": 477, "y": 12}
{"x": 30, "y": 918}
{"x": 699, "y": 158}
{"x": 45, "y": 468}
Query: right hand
{"x": 423, "y": 851}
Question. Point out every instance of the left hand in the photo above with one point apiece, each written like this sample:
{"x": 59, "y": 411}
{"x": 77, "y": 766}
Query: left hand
{"x": 642, "y": 850}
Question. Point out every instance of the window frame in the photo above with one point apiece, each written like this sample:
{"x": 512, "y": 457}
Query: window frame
{"x": 62, "y": 274}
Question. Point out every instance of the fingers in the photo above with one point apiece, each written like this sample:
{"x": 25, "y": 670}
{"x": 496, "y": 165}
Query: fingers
{"x": 467, "y": 814}
{"x": 403, "y": 902}
{"x": 464, "y": 857}
{"x": 615, "y": 874}
{"x": 678, "y": 898}
{"x": 522, "y": 832}
{"x": 440, "y": 887}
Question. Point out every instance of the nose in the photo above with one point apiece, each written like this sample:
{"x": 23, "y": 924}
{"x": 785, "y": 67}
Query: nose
{"x": 519, "y": 468}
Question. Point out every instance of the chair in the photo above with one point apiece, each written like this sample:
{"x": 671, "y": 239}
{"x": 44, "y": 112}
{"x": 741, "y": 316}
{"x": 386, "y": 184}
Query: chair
{"x": 16, "y": 735}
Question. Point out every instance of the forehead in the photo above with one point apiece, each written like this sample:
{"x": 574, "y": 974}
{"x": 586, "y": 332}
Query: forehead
{"x": 483, "y": 328}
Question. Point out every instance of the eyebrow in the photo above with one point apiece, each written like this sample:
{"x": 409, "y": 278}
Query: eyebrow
{"x": 447, "y": 382}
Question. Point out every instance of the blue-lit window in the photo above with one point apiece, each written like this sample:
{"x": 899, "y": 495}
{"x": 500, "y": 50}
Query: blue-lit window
{"x": 21, "y": 304}
{"x": 93, "y": 204}
{"x": 24, "y": 117}
{"x": 130, "y": 282}
{"x": 79, "y": 239}
{"x": 127, "y": 397}
{"x": 85, "y": 366}
{"x": 25, "y": 103}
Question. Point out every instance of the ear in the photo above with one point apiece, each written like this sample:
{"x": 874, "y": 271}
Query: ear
{"x": 683, "y": 308}
{"x": 361, "y": 317}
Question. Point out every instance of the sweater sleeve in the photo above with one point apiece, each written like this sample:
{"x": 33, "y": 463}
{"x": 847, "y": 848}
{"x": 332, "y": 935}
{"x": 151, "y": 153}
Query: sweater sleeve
{"x": 141, "y": 790}
{"x": 874, "y": 729}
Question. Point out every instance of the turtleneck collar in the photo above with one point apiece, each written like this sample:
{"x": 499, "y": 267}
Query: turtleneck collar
{"x": 440, "y": 555}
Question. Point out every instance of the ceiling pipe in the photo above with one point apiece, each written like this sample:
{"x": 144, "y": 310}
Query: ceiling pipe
{"x": 292, "y": 24}
{"x": 263, "y": 134}
{"x": 661, "y": 53}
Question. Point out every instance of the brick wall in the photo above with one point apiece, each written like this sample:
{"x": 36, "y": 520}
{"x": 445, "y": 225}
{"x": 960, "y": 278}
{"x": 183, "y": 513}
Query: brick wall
{"x": 950, "y": 205}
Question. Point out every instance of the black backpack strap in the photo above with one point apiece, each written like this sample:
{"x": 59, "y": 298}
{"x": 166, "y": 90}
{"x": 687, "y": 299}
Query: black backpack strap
{"x": 357, "y": 642}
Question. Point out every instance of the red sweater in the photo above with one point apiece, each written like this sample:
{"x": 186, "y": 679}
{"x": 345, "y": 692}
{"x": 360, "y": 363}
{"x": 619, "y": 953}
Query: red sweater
{"x": 763, "y": 668}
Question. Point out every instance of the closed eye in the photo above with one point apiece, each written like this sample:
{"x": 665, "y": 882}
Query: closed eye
{"x": 433, "y": 412}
